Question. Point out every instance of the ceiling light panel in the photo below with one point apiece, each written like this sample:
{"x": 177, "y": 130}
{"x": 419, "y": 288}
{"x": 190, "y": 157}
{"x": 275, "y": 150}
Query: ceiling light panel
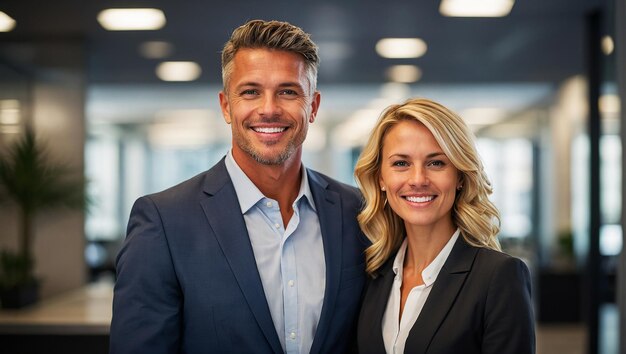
{"x": 6, "y": 22}
{"x": 607, "y": 45}
{"x": 178, "y": 71}
{"x": 476, "y": 8}
{"x": 131, "y": 19}
{"x": 401, "y": 48}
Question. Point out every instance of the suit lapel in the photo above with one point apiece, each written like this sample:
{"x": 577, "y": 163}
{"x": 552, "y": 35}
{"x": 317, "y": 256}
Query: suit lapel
{"x": 224, "y": 215}
{"x": 441, "y": 298}
{"x": 328, "y": 205}
{"x": 374, "y": 306}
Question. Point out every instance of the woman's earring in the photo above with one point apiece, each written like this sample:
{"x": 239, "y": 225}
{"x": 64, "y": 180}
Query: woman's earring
{"x": 382, "y": 188}
{"x": 459, "y": 187}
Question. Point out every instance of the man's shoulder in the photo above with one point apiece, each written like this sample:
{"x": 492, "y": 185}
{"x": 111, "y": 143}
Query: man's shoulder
{"x": 333, "y": 184}
{"x": 351, "y": 196}
{"x": 193, "y": 187}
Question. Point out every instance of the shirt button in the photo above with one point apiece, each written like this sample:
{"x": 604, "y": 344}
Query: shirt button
{"x": 277, "y": 225}
{"x": 292, "y": 335}
{"x": 290, "y": 283}
{"x": 269, "y": 204}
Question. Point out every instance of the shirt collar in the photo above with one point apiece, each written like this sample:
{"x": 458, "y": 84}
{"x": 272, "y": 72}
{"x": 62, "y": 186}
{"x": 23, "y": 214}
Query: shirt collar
{"x": 430, "y": 273}
{"x": 249, "y": 195}
{"x": 305, "y": 190}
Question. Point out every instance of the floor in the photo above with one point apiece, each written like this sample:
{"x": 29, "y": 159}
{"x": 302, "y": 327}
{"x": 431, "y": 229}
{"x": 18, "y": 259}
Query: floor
{"x": 572, "y": 338}
{"x": 556, "y": 339}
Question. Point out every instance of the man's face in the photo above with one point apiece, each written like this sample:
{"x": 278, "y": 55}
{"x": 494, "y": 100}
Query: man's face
{"x": 269, "y": 105}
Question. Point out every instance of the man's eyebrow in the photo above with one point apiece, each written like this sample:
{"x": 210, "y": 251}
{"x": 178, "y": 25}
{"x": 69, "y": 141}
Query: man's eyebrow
{"x": 248, "y": 83}
{"x": 290, "y": 84}
{"x": 281, "y": 85}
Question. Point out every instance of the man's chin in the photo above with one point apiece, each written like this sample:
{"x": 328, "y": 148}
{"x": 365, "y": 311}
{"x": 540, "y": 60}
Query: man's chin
{"x": 269, "y": 156}
{"x": 270, "y": 160}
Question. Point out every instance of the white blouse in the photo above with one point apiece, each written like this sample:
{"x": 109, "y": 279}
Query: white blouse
{"x": 396, "y": 332}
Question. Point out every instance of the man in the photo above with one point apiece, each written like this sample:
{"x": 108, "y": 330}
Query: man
{"x": 258, "y": 254}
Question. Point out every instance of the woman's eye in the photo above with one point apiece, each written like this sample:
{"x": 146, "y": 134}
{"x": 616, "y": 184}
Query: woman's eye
{"x": 400, "y": 163}
{"x": 437, "y": 163}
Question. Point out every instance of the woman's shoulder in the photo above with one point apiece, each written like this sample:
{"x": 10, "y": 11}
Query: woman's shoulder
{"x": 499, "y": 259}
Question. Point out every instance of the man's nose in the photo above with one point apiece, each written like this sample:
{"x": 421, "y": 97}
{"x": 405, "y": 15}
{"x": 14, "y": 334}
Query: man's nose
{"x": 269, "y": 106}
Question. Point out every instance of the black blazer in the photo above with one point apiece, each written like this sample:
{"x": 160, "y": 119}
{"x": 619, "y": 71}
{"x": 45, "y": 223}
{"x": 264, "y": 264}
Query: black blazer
{"x": 480, "y": 303}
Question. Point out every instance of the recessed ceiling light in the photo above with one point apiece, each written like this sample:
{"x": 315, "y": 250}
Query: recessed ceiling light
{"x": 131, "y": 19}
{"x": 178, "y": 71}
{"x": 607, "y": 45}
{"x": 6, "y": 22}
{"x": 404, "y": 73}
{"x": 401, "y": 47}
{"x": 156, "y": 49}
{"x": 476, "y": 8}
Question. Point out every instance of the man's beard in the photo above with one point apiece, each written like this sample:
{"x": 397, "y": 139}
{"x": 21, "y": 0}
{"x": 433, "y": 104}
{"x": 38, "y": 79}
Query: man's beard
{"x": 273, "y": 160}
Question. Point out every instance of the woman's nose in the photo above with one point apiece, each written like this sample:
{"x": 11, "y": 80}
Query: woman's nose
{"x": 419, "y": 177}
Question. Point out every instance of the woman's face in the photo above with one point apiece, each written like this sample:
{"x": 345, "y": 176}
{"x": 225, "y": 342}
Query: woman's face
{"x": 419, "y": 179}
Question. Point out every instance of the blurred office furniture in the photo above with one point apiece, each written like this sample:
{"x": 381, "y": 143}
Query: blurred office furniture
{"x": 75, "y": 322}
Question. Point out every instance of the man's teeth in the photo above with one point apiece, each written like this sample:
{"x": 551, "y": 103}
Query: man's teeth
{"x": 270, "y": 130}
{"x": 420, "y": 199}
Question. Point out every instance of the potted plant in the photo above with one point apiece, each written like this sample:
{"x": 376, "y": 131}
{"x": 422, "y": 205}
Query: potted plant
{"x": 32, "y": 182}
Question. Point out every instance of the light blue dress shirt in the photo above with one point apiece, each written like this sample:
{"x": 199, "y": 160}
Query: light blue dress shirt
{"x": 290, "y": 258}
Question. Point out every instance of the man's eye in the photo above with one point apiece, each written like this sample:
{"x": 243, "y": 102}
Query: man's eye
{"x": 249, "y": 92}
{"x": 288, "y": 92}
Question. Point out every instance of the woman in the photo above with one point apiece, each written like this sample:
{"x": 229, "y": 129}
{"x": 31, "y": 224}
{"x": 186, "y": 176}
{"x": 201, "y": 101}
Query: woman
{"x": 439, "y": 283}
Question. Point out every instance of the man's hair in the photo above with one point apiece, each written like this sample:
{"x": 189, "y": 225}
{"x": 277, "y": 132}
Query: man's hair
{"x": 275, "y": 35}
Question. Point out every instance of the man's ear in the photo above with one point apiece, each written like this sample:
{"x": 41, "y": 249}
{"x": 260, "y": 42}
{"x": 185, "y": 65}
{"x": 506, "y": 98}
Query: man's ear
{"x": 315, "y": 105}
{"x": 225, "y": 107}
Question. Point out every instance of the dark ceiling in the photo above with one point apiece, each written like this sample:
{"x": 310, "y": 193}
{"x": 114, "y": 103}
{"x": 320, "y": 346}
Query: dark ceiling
{"x": 540, "y": 41}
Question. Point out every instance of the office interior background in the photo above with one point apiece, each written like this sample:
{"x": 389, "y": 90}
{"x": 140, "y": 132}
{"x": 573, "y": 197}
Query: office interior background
{"x": 541, "y": 85}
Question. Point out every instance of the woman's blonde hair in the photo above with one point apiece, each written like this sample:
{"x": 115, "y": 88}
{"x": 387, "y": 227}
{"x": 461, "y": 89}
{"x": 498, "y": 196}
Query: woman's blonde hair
{"x": 473, "y": 213}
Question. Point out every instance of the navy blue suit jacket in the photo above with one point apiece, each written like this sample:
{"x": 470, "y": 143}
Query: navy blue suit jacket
{"x": 479, "y": 304}
{"x": 187, "y": 280}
